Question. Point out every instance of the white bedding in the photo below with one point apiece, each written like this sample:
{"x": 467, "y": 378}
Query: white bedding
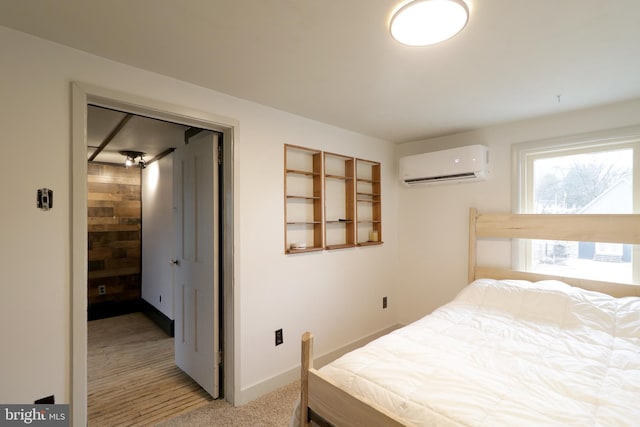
{"x": 507, "y": 353}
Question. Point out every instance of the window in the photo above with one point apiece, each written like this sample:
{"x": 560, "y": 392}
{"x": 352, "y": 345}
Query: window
{"x": 593, "y": 176}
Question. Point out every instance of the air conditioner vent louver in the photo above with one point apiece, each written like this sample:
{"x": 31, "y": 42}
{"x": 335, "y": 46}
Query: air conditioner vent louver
{"x": 440, "y": 178}
{"x": 464, "y": 164}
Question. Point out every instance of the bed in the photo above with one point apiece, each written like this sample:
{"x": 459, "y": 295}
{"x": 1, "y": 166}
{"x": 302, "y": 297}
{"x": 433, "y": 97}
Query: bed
{"x": 512, "y": 349}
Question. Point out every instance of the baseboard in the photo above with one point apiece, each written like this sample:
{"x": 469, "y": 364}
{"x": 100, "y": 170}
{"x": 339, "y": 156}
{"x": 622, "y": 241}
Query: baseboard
{"x": 253, "y": 392}
{"x": 112, "y": 308}
{"x": 159, "y": 318}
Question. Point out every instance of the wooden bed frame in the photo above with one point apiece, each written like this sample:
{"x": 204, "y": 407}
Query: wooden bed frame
{"x": 324, "y": 402}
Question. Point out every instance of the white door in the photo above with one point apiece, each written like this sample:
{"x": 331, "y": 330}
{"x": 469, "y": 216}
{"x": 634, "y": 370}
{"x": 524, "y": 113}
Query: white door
{"x": 195, "y": 195}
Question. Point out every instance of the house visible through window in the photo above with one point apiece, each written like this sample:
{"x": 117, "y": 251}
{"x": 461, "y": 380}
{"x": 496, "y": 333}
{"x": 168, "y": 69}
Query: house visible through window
{"x": 587, "y": 178}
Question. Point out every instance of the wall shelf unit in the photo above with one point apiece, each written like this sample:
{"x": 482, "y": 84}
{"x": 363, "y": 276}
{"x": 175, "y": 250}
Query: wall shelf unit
{"x": 303, "y": 199}
{"x": 331, "y": 201}
{"x": 368, "y": 203}
{"x": 339, "y": 201}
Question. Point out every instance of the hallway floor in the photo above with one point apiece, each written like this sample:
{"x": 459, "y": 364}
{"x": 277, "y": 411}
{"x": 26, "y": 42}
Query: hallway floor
{"x": 132, "y": 376}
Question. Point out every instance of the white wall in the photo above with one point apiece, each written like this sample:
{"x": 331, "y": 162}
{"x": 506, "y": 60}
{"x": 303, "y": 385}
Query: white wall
{"x": 337, "y": 295}
{"x": 157, "y": 235}
{"x": 433, "y": 221}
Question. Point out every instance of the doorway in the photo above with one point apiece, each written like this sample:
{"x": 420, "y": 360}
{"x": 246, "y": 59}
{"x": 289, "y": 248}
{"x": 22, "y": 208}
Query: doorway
{"x": 152, "y": 228}
{"x": 83, "y": 95}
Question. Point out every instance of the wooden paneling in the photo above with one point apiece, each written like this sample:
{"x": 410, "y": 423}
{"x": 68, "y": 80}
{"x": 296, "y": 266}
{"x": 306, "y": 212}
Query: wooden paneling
{"x": 114, "y": 238}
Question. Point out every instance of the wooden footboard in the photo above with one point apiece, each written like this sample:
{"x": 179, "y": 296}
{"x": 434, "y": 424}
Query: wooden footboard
{"x": 326, "y": 403}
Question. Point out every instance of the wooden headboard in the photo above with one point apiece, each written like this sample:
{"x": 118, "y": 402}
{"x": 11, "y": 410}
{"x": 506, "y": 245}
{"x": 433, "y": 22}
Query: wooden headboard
{"x": 612, "y": 228}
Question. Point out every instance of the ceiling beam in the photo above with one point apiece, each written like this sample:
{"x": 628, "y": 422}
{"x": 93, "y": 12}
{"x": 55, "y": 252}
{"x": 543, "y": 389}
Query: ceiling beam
{"x": 112, "y": 135}
{"x": 190, "y": 133}
{"x": 159, "y": 156}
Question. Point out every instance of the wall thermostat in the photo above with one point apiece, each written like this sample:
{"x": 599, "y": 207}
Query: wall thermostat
{"x": 45, "y": 199}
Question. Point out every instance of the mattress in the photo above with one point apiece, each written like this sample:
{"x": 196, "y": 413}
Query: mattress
{"x": 507, "y": 353}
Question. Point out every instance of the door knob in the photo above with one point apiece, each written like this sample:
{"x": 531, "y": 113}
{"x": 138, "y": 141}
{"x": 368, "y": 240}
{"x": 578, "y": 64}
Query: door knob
{"x": 174, "y": 262}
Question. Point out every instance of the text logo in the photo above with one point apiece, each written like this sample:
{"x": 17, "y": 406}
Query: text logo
{"x": 34, "y": 415}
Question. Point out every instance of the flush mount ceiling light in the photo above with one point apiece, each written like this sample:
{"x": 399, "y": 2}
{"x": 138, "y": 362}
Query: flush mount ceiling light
{"x": 427, "y": 22}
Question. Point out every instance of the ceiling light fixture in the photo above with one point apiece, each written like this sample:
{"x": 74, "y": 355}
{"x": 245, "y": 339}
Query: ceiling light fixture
{"x": 130, "y": 159}
{"x": 427, "y": 22}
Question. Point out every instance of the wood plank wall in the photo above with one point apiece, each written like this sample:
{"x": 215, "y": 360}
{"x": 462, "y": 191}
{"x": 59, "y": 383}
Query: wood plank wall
{"x": 114, "y": 238}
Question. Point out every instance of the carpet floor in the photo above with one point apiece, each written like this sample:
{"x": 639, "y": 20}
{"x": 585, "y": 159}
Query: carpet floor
{"x": 271, "y": 410}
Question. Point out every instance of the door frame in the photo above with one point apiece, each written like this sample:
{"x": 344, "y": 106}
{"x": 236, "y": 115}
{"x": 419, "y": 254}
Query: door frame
{"x": 83, "y": 94}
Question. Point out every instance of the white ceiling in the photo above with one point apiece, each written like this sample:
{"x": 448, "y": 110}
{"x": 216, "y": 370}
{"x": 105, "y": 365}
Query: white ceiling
{"x": 334, "y": 61}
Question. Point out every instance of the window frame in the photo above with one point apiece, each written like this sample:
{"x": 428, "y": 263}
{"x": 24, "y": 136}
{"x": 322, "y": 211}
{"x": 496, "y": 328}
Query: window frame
{"x": 525, "y": 153}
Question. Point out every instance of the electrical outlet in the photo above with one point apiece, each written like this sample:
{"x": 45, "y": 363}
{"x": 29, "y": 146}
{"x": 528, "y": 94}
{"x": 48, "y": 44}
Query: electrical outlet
{"x": 279, "y": 339}
{"x": 384, "y": 302}
{"x": 102, "y": 289}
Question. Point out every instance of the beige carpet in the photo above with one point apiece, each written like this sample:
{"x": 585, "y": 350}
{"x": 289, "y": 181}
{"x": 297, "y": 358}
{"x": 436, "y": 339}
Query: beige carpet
{"x": 271, "y": 410}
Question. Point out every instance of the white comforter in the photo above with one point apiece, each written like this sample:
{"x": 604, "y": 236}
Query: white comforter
{"x": 507, "y": 353}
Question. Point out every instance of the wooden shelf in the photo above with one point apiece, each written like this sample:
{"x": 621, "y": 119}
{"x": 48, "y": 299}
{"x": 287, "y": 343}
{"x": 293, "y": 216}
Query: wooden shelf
{"x": 370, "y": 243}
{"x": 343, "y": 246}
{"x": 288, "y": 196}
{"x": 301, "y": 172}
{"x": 301, "y": 251}
{"x": 341, "y": 177}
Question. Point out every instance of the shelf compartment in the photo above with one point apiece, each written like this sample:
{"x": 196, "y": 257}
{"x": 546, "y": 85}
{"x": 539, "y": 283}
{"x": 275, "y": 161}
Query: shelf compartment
{"x": 303, "y": 201}
{"x": 339, "y": 193}
{"x": 368, "y": 202}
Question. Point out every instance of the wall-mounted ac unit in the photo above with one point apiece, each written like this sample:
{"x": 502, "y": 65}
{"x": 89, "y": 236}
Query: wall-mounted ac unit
{"x": 463, "y": 164}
